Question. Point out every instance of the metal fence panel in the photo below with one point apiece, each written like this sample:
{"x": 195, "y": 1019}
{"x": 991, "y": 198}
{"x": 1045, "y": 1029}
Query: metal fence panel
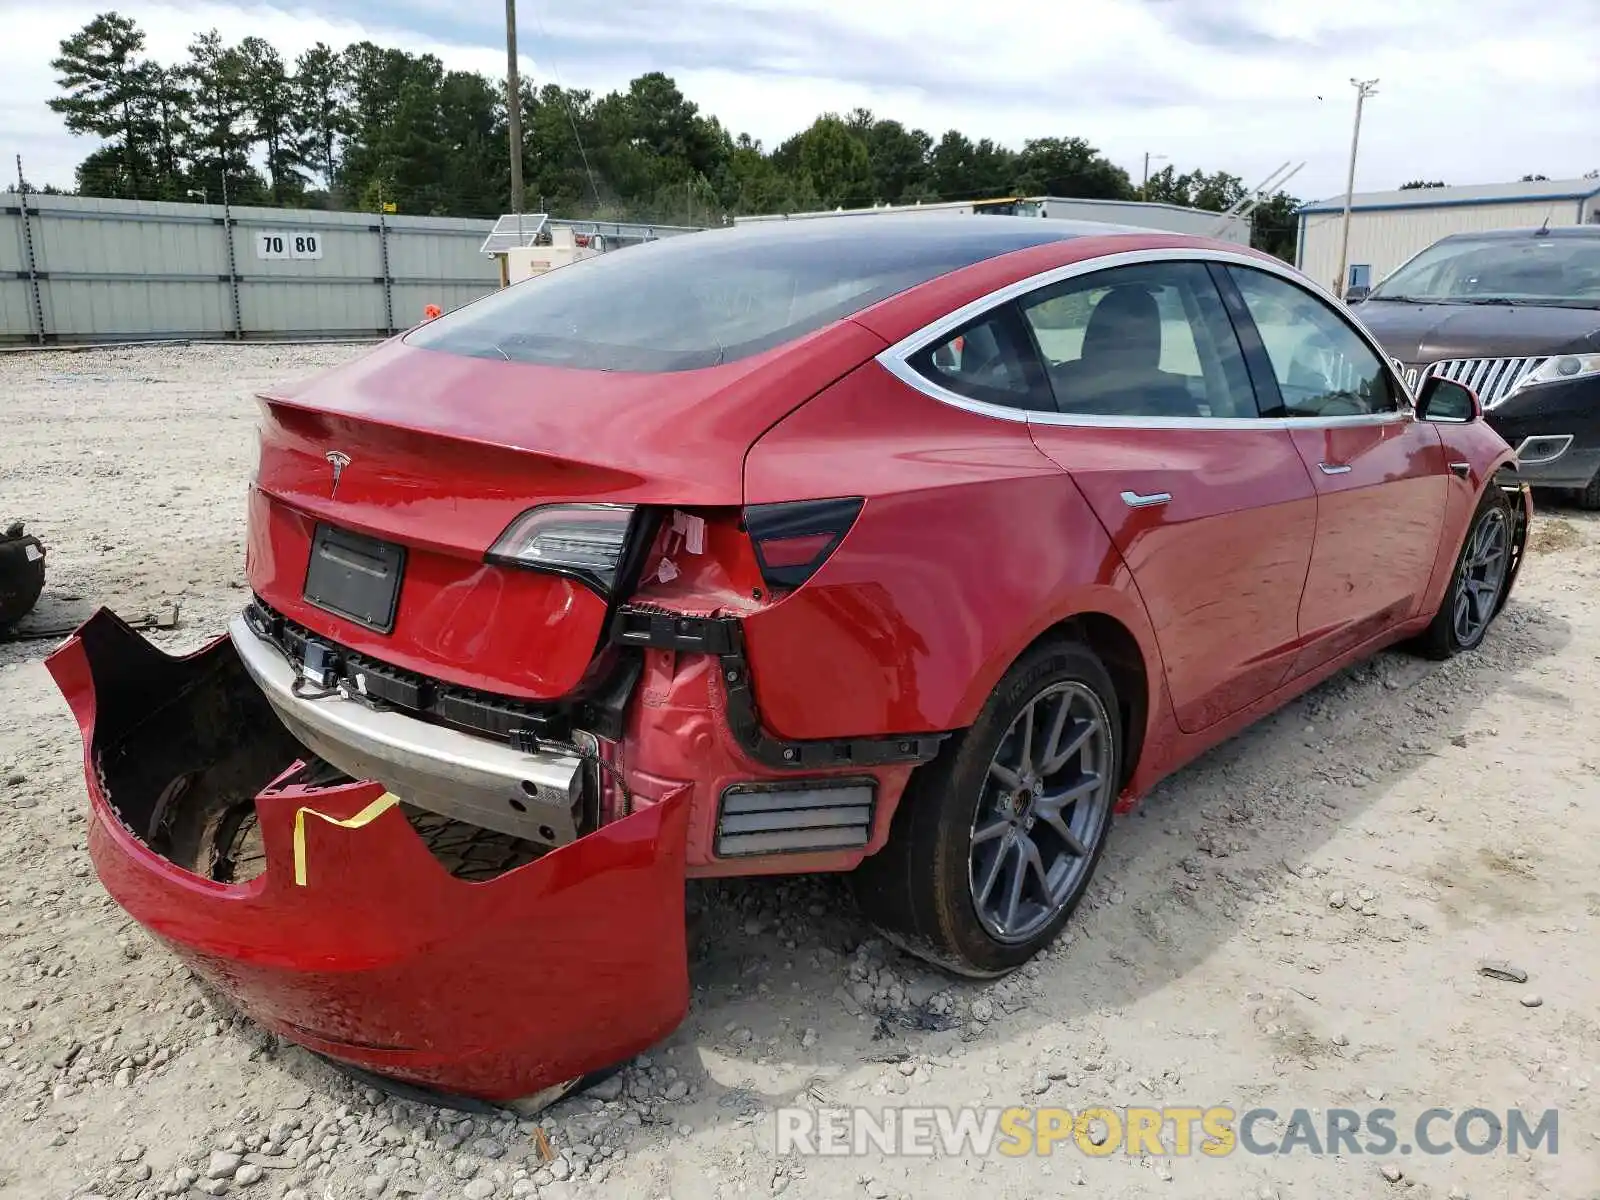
{"x": 116, "y": 270}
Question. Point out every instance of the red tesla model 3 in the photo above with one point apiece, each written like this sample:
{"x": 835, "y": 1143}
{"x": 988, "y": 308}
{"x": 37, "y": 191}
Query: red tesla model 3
{"x": 913, "y": 547}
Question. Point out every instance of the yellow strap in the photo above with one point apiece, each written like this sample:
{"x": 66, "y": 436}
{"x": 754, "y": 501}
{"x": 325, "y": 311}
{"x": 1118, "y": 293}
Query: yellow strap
{"x": 365, "y": 817}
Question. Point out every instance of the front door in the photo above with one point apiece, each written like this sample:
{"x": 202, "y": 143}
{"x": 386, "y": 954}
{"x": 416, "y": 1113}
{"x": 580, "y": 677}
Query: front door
{"x": 1381, "y": 478}
{"x": 1156, "y": 421}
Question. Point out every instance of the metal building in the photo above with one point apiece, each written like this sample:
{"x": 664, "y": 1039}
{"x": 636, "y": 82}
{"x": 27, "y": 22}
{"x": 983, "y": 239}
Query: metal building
{"x": 1170, "y": 218}
{"x": 1387, "y": 228}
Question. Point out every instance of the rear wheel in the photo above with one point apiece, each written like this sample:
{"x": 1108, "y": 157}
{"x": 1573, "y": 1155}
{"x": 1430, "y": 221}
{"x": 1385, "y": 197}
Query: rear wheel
{"x": 994, "y": 842}
{"x": 1477, "y": 586}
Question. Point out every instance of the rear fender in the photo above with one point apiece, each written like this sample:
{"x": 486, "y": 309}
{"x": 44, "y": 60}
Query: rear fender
{"x": 376, "y": 956}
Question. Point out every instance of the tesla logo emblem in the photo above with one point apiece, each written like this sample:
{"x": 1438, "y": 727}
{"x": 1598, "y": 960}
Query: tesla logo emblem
{"x": 338, "y": 460}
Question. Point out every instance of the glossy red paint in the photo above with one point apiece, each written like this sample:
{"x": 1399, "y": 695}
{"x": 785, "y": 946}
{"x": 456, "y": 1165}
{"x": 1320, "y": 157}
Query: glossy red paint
{"x": 460, "y": 619}
{"x": 1220, "y": 567}
{"x": 1378, "y": 524}
{"x": 383, "y": 960}
{"x": 944, "y": 578}
{"x": 445, "y": 451}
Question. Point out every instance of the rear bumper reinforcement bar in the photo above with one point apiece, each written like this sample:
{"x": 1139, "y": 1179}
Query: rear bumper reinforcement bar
{"x": 534, "y": 796}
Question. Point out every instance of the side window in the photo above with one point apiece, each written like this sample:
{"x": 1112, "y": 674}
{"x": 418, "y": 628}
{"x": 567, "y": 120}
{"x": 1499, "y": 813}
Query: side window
{"x": 988, "y": 359}
{"x": 1152, "y": 340}
{"x": 1323, "y": 367}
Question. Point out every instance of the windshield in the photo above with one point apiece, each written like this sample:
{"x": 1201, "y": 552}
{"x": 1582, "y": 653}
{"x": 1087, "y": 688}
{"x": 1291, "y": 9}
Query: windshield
{"x": 1562, "y": 271}
{"x": 704, "y": 299}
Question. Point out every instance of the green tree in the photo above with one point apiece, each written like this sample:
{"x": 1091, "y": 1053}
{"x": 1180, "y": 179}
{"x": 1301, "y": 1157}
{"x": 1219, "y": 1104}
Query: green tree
{"x": 219, "y": 113}
{"x": 106, "y": 95}
{"x": 835, "y": 163}
{"x": 1422, "y": 183}
{"x": 960, "y": 169}
{"x": 897, "y": 156}
{"x": 272, "y": 103}
{"x": 1070, "y": 167}
{"x": 1275, "y": 225}
{"x": 321, "y": 117}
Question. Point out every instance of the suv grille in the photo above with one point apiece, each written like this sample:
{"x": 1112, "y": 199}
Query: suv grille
{"x": 1492, "y": 378}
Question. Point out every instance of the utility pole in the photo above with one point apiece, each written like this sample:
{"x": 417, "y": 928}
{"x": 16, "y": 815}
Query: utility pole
{"x": 1364, "y": 88}
{"x": 1144, "y": 187}
{"x": 513, "y": 106}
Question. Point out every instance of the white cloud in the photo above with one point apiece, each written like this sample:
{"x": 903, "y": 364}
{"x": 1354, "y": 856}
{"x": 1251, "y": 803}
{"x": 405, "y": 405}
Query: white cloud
{"x": 1472, "y": 91}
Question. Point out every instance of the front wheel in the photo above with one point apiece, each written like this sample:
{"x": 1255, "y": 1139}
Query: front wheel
{"x": 994, "y": 842}
{"x": 1478, "y": 584}
{"x": 1588, "y": 497}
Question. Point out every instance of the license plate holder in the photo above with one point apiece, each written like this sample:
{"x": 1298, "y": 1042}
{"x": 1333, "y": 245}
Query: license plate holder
{"x": 355, "y": 577}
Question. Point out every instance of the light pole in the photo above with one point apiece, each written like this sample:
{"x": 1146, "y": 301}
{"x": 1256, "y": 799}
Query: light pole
{"x": 1364, "y": 88}
{"x": 513, "y": 106}
{"x": 1144, "y": 186}
{"x": 201, "y": 192}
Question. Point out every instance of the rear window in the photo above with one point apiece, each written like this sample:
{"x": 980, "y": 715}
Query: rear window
{"x": 704, "y": 299}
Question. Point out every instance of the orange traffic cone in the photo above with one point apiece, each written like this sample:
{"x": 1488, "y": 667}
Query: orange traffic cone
{"x": 432, "y": 311}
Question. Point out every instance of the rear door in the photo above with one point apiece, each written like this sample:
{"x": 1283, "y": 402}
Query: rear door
{"x": 1155, "y": 418}
{"x": 1381, "y": 477}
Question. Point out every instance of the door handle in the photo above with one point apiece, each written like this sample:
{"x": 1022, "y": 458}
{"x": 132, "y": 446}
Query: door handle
{"x": 1334, "y": 468}
{"x": 1460, "y": 469}
{"x": 1135, "y": 500}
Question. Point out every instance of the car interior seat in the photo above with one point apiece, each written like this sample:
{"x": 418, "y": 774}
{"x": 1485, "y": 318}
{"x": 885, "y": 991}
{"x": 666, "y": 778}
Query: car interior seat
{"x": 1118, "y": 372}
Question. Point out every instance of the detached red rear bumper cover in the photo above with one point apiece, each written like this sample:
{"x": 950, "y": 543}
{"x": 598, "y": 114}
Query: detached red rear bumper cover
{"x": 381, "y": 959}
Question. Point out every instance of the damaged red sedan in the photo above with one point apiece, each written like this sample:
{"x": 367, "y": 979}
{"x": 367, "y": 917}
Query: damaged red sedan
{"x": 908, "y": 547}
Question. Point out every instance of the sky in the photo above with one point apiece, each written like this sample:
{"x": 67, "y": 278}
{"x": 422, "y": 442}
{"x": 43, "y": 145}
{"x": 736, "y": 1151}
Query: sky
{"x": 1470, "y": 91}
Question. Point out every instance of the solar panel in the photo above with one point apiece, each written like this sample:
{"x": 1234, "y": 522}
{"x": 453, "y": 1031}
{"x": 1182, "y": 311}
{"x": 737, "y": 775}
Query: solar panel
{"x": 514, "y": 229}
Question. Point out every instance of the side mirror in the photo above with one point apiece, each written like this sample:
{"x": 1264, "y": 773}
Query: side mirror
{"x": 1444, "y": 399}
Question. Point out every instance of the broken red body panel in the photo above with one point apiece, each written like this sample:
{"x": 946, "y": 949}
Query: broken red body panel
{"x": 497, "y": 990}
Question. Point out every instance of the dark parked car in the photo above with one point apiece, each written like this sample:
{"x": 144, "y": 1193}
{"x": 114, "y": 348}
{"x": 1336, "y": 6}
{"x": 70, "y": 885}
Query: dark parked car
{"x": 1514, "y": 315}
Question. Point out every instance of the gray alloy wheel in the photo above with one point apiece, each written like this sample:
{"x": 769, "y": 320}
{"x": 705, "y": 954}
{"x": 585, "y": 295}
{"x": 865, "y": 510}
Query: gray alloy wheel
{"x": 1475, "y": 593}
{"x": 1046, "y": 799}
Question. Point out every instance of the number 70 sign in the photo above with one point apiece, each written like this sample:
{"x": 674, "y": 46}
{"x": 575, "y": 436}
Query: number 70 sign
{"x": 289, "y": 244}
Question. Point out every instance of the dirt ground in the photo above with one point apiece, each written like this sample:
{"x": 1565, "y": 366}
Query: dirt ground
{"x": 1296, "y": 921}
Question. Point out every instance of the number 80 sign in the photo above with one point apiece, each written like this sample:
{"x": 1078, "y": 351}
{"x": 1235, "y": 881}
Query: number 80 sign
{"x": 290, "y": 244}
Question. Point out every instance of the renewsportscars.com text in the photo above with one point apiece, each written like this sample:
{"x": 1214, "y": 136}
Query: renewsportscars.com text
{"x": 1175, "y": 1131}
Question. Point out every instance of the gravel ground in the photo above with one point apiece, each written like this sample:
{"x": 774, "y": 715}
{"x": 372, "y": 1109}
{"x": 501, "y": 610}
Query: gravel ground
{"x": 1296, "y": 921}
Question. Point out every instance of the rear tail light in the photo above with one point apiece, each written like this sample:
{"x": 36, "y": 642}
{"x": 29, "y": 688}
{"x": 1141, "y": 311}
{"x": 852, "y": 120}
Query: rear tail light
{"x": 585, "y": 541}
{"x": 795, "y": 538}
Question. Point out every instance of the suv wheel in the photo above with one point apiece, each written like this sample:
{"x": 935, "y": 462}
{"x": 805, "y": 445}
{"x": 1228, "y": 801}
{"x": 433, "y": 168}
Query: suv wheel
{"x": 1589, "y": 497}
{"x": 995, "y": 841}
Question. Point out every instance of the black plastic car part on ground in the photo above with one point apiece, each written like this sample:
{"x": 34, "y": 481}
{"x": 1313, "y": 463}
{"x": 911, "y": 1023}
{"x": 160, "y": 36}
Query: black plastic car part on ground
{"x": 21, "y": 574}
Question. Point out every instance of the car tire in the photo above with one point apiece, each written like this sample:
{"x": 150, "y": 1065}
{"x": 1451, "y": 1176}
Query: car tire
{"x": 923, "y": 888}
{"x": 1475, "y": 583}
{"x": 1588, "y": 497}
{"x": 21, "y": 574}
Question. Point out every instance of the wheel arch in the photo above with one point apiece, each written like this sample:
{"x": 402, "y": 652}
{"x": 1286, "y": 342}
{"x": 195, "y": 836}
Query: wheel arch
{"x": 1117, "y": 647}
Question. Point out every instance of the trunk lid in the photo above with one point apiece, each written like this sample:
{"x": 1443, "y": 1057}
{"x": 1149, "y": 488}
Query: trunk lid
{"x": 435, "y": 454}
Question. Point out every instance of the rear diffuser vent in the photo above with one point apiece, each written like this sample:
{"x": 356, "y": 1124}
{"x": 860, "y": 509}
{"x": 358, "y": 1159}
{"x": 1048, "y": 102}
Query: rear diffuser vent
{"x": 794, "y": 818}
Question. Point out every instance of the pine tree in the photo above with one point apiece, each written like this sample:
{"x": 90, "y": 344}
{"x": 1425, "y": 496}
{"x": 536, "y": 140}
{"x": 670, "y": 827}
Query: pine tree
{"x": 322, "y": 107}
{"x": 220, "y": 115}
{"x": 272, "y": 102}
{"x": 106, "y": 95}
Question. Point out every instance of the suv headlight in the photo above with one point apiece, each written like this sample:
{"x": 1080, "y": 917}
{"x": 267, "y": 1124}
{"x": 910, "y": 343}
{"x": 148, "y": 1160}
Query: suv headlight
{"x": 1560, "y": 369}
